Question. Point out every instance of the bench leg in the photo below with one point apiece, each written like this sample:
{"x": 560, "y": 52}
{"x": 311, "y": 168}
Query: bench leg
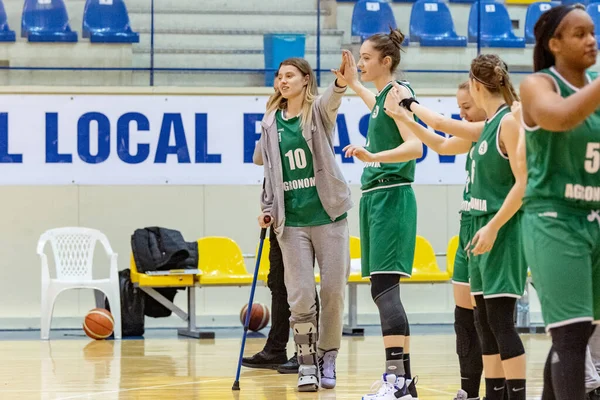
{"x": 352, "y": 329}
{"x": 191, "y": 330}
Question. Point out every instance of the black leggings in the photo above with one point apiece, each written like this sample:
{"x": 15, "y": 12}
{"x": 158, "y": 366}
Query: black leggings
{"x": 564, "y": 373}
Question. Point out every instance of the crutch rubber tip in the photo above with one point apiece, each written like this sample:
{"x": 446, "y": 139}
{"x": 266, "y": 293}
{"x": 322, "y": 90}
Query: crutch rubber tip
{"x": 236, "y": 385}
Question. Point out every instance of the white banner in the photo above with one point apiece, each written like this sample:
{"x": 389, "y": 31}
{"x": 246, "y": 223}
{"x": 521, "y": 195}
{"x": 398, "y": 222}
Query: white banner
{"x": 151, "y": 139}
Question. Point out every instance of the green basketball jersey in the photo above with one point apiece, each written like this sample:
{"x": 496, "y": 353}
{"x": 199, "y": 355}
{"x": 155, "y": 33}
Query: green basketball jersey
{"x": 303, "y": 206}
{"x": 383, "y": 134}
{"x": 491, "y": 176}
{"x": 563, "y": 167}
{"x": 465, "y": 207}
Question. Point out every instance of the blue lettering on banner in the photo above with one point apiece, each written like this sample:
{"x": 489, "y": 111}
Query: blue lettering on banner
{"x": 143, "y": 149}
{"x": 83, "y": 135}
{"x": 171, "y": 139}
{"x": 52, "y": 154}
{"x": 342, "y": 130}
{"x": 251, "y": 137}
{"x": 202, "y": 156}
{"x": 5, "y": 156}
{"x": 172, "y": 123}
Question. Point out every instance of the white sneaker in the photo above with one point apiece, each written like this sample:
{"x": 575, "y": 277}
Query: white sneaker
{"x": 327, "y": 369}
{"x": 392, "y": 388}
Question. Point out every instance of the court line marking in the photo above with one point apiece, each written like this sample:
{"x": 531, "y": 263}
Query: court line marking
{"x": 87, "y": 395}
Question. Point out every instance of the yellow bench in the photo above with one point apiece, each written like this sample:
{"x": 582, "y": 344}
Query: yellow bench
{"x": 451, "y": 255}
{"x": 220, "y": 263}
{"x": 425, "y": 270}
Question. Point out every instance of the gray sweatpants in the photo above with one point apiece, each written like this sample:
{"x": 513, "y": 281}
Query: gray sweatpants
{"x": 331, "y": 245}
{"x": 592, "y": 362}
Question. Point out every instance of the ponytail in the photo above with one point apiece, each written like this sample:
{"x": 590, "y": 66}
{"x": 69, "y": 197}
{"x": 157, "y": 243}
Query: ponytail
{"x": 492, "y": 72}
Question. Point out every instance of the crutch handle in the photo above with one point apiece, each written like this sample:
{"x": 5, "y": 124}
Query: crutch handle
{"x": 263, "y": 231}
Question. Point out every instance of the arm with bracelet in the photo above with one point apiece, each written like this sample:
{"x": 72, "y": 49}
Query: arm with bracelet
{"x": 439, "y": 144}
{"x": 469, "y": 131}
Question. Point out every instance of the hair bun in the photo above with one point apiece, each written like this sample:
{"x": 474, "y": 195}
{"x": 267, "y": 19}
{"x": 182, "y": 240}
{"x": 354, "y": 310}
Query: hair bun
{"x": 500, "y": 75}
{"x": 397, "y": 37}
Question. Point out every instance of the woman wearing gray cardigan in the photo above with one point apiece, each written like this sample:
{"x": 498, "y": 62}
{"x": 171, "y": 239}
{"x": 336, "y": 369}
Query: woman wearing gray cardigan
{"x": 307, "y": 198}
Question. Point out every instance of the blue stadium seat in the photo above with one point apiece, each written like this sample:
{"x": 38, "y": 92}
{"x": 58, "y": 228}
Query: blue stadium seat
{"x": 46, "y": 21}
{"x": 431, "y": 25}
{"x": 372, "y": 16}
{"x": 496, "y": 27}
{"x": 534, "y": 11}
{"x": 107, "y": 21}
{"x": 594, "y": 10}
{"x": 571, "y": 2}
{"x": 6, "y": 35}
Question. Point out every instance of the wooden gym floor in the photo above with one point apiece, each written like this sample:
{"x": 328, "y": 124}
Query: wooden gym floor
{"x": 169, "y": 368}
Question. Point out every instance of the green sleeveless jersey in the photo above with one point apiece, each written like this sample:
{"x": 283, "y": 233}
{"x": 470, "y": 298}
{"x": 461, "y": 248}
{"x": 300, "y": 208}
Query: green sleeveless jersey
{"x": 383, "y": 134}
{"x": 563, "y": 167}
{"x": 465, "y": 207}
{"x": 303, "y": 206}
{"x": 491, "y": 176}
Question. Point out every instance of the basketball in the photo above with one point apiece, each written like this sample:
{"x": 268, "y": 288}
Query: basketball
{"x": 98, "y": 324}
{"x": 259, "y": 317}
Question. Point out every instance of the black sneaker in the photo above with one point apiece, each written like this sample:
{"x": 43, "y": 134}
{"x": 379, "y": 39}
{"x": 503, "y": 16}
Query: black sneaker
{"x": 412, "y": 387}
{"x": 289, "y": 367}
{"x": 593, "y": 395}
{"x": 264, "y": 360}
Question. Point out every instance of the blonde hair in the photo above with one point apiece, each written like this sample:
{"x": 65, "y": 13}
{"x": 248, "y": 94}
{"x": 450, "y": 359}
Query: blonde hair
{"x": 278, "y": 102}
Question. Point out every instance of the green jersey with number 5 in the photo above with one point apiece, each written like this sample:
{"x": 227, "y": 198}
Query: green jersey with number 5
{"x": 563, "y": 167}
{"x": 303, "y": 206}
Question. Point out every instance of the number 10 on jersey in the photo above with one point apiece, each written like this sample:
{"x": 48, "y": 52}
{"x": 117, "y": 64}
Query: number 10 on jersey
{"x": 296, "y": 158}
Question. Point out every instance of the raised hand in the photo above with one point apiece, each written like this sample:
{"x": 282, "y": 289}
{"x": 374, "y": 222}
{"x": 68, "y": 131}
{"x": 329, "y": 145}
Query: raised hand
{"x": 393, "y": 108}
{"x": 339, "y": 73}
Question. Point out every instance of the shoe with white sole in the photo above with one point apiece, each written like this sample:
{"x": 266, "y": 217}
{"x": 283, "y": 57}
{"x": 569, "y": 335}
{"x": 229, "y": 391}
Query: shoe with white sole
{"x": 392, "y": 388}
{"x": 327, "y": 369}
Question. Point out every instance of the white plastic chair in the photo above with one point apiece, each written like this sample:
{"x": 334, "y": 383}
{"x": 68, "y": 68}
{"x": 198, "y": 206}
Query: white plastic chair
{"x": 73, "y": 249}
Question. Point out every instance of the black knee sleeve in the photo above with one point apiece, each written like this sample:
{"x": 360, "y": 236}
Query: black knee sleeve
{"x": 489, "y": 346}
{"x": 385, "y": 290}
{"x": 500, "y": 313}
{"x": 468, "y": 348}
{"x": 382, "y": 282}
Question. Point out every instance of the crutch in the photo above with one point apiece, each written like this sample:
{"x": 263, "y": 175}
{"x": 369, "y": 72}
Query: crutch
{"x": 263, "y": 234}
